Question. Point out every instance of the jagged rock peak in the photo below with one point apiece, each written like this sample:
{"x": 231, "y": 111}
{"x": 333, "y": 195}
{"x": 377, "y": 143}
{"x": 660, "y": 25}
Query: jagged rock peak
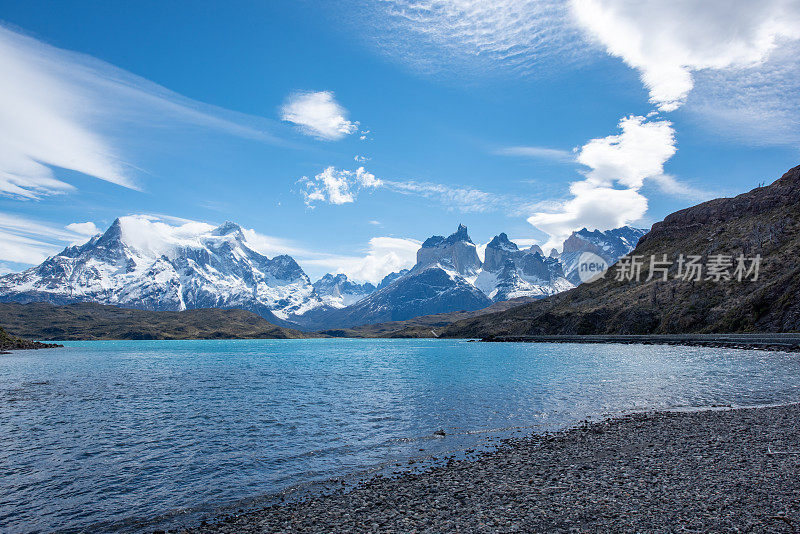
{"x": 502, "y": 241}
{"x": 114, "y": 232}
{"x": 456, "y": 237}
{"x": 228, "y": 228}
{"x": 457, "y": 253}
{"x": 459, "y": 235}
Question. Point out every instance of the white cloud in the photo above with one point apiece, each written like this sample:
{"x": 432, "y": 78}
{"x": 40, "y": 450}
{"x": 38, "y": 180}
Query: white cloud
{"x": 609, "y": 197}
{"x": 69, "y": 110}
{"x": 274, "y": 246}
{"x": 342, "y": 186}
{"x": 161, "y": 234}
{"x": 384, "y": 255}
{"x": 28, "y": 241}
{"x": 592, "y": 206}
{"x": 318, "y": 114}
{"x": 740, "y": 55}
{"x": 637, "y": 153}
{"x": 669, "y": 41}
{"x": 337, "y": 186}
{"x": 84, "y": 229}
{"x": 537, "y": 152}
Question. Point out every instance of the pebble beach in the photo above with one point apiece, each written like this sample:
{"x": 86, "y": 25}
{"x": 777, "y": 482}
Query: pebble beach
{"x": 722, "y": 470}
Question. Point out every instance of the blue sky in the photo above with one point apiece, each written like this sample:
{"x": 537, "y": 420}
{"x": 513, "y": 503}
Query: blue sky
{"x": 530, "y": 118}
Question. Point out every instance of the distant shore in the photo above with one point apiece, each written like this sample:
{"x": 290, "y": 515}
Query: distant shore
{"x": 789, "y": 342}
{"x": 8, "y": 343}
{"x": 707, "y": 471}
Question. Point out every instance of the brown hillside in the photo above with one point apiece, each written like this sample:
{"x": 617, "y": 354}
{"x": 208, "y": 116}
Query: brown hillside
{"x": 764, "y": 221}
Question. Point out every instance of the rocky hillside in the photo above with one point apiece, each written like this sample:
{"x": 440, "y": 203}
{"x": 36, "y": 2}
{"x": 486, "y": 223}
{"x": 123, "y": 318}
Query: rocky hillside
{"x": 8, "y": 342}
{"x": 89, "y": 321}
{"x": 764, "y": 221}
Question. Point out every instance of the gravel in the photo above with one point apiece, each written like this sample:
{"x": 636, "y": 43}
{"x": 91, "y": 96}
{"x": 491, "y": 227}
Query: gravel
{"x": 710, "y": 471}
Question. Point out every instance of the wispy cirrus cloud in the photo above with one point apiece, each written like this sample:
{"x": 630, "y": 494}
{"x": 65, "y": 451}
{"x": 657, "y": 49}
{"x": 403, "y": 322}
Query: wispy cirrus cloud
{"x": 342, "y": 186}
{"x": 28, "y": 241}
{"x": 537, "y": 152}
{"x": 455, "y": 198}
{"x": 755, "y": 105}
{"x": 69, "y": 110}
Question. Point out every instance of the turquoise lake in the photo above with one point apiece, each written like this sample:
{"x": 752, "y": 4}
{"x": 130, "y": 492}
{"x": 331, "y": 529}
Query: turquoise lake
{"x": 130, "y": 435}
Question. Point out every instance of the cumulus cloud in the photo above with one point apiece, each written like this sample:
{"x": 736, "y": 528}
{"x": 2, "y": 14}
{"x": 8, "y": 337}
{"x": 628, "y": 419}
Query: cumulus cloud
{"x": 669, "y": 41}
{"x": 337, "y": 186}
{"x": 64, "y": 109}
{"x": 383, "y": 255}
{"x": 592, "y": 206}
{"x": 637, "y": 153}
{"x": 609, "y": 196}
{"x": 318, "y": 114}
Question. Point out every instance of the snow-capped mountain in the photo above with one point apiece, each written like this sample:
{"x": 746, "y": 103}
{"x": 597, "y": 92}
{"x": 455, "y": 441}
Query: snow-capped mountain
{"x": 610, "y": 245}
{"x": 449, "y": 276}
{"x": 143, "y": 263}
{"x": 509, "y": 272}
{"x": 455, "y": 253}
{"x": 440, "y": 282}
{"x": 337, "y": 291}
{"x": 146, "y": 264}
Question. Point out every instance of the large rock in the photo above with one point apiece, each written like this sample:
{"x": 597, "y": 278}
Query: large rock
{"x": 456, "y": 253}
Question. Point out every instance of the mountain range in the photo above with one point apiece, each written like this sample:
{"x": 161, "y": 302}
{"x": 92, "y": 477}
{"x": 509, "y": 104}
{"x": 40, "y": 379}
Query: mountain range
{"x": 137, "y": 264}
{"x": 763, "y": 223}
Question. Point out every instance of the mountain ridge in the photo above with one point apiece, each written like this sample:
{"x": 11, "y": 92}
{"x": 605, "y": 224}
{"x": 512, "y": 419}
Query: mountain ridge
{"x": 764, "y": 222}
{"x": 142, "y": 263}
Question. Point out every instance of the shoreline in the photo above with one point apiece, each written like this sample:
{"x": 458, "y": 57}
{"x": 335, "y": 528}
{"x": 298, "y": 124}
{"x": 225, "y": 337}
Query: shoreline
{"x": 709, "y": 469}
{"x": 783, "y": 342}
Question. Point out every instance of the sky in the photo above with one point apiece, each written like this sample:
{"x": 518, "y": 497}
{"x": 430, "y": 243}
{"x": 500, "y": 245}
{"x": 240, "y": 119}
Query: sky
{"x": 346, "y": 133}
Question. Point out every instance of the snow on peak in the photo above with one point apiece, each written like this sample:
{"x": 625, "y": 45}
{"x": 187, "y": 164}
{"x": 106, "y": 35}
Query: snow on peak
{"x": 145, "y": 262}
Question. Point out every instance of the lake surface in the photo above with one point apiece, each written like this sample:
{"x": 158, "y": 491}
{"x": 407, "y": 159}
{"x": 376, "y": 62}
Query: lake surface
{"x": 127, "y": 435}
